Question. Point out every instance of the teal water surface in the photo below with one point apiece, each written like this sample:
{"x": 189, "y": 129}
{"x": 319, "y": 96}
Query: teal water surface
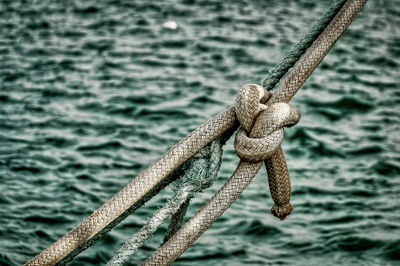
{"x": 92, "y": 92}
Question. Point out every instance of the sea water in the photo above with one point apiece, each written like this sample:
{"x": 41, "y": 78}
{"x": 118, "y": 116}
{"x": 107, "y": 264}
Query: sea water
{"x": 92, "y": 92}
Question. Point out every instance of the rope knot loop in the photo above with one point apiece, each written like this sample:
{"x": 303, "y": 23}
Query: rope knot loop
{"x": 261, "y": 131}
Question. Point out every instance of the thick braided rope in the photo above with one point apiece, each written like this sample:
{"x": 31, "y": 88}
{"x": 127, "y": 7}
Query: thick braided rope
{"x": 151, "y": 226}
{"x": 246, "y": 171}
{"x": 198, "y": 174}
{"x": 314, "y": 55}
{"x": 275, "y": 74}
{"x": 276, "y": 167}
{"x": 137, "y": 189}
{"x": 140, "y": 187}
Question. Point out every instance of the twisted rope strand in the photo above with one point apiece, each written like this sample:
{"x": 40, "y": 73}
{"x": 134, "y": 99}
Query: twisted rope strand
{"x": 275, "y": 74}
{"x": 150, "y": 227}
{"x": 176, "y": 221}
{"x": 212, "y": 168}
{"x": 199, "y": 173}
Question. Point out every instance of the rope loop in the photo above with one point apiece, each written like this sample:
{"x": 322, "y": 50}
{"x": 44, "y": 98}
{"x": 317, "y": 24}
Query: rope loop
{"x": 261, "y": 131}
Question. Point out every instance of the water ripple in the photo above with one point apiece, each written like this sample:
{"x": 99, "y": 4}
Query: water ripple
{"x": 91, "y": 93}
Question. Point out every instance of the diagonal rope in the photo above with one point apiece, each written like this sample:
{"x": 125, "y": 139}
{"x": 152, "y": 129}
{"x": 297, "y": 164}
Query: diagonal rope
{"x": 176, "y": 221}
{"x": 136, "y": 193}
{"x": 275, "y": 74}
{"x": 198, "y": 173}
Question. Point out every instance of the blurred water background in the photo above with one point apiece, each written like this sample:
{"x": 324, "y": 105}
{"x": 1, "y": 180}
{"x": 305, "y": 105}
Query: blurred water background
{"x": 92, "y": 92}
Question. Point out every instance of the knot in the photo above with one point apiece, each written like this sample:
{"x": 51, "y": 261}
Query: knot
{"x": 261, "y": 131}
{"x": 259, "y": 139}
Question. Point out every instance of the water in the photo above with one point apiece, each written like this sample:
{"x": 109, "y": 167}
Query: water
{"x": 92, "y": 92}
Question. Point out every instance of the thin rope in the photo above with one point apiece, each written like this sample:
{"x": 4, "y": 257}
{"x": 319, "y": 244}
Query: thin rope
{"x": 275, "y": 75}
{"x": 176, "y": 221}
{"x": 212, "y": 172}
{"x": 199, "y": 173}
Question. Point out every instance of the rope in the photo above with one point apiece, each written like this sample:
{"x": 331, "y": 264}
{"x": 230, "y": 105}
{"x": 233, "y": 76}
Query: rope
{"x": 199, "y": 173}
{"x": 212, "y": 172}
{"x": 298, "y": 50}
{"x": 269, "y": 82}
{"x": 139, "y": 188}
{"x": 246, "y": 171}
{"x": 176, "y": 221}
